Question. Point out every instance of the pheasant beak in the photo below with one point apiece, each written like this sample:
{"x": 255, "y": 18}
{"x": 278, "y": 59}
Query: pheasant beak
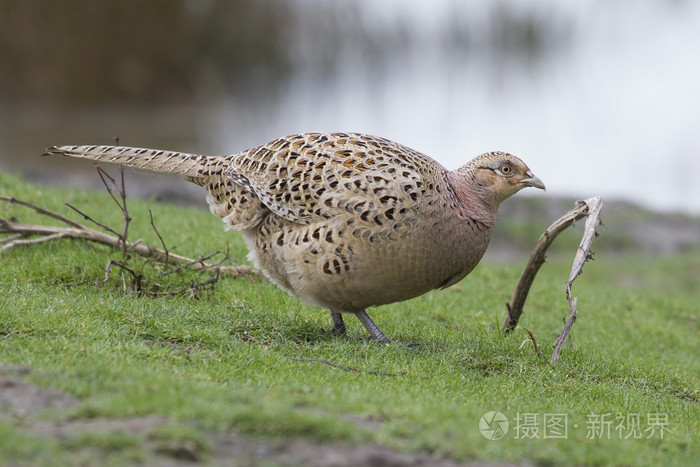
{"x": 533, "y": 181}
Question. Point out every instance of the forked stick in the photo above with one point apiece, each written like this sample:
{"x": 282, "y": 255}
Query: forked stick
{"x": 590, "y": 209}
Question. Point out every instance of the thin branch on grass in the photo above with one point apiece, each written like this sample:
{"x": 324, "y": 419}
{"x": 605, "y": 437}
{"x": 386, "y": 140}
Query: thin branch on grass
{"x": 11, "y": 238}
{"x": 121, "y": 189}
{"x": 97, "y": 223}
{"x": 583, "y": 254}
{"x": 192, "y": 290}
{"x": 344, "y": 367}
{"x": 199, "y": 260}
{"x": 19, "y": 232}
{"x": 117, "y": 192}
{"x": 31, "y": 241}
{"x": 533, "y": 340}
{"x": 108, "y": 181}
{"x": 12, "y": 200}
{"x": 153, "y": 225}
{"x": 49, "y": 232}
{"x": 108, "y": 270}
{"x": 589, "y": 208}
{"x": 207, "y": 284}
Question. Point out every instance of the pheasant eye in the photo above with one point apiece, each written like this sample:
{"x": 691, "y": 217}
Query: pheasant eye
{"x": 506, "y": 170}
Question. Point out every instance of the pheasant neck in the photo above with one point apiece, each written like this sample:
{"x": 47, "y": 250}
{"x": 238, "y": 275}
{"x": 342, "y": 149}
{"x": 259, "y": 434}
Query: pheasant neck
{"x": 474, "y": 200}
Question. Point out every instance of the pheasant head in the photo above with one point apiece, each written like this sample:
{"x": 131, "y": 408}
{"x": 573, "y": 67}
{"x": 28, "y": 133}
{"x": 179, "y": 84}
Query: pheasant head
{"x": 482, "y": 184}
{"x": 501, "y": 175}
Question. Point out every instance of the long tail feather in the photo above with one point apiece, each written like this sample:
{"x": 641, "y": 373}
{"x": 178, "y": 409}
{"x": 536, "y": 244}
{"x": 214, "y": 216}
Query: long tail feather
{"x": 156, "y": 160}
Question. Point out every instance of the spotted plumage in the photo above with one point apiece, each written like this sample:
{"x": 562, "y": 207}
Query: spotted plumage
{"x": 344, "y": 220}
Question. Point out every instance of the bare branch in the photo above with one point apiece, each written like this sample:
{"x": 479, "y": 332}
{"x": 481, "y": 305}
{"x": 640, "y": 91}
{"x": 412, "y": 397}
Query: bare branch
{"x": 590, "y": 209}
{"x": 167, "y": 253}
{"x": 12, "y": 200}
{"x": 345, "y": 368}
{"x": 138, "y": 278}
{"x": 104, "y": 176}
{"x": 88, "y": 218}
{"x": 17, "y": 233}
{"x": 11, "y": 227}
{"x": 533, "y": 340}
{"x": 46, "y": 238}
{"x": 537, "y": 258}
{"x": 10, "y": 238}
{"x": 121, "y": 189}
{"x": 583, "y": 254}
{"x": 192, "y": 289}
{"x": 199, "y": 260}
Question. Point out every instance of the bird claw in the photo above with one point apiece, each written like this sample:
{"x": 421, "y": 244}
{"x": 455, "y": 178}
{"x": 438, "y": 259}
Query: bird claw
{"x": 339, "y": 328}
{"x": 374, "y": 331}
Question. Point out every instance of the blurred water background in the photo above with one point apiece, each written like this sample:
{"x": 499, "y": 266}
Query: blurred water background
{"x": 599, "y": 97}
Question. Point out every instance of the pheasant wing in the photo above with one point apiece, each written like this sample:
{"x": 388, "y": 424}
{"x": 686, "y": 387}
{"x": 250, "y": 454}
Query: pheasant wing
{"x": 309, "y": 177}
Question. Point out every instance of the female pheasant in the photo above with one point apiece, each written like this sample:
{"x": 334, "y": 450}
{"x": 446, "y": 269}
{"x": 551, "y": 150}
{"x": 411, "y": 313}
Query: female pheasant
{"x": 346, "y": 221}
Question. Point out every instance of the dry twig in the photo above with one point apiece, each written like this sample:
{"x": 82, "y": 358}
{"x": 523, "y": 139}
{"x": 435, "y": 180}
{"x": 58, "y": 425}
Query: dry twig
{"x": 583, "y": 254}
{"x": 590, "y": 209}
{"x": 162, "y": 242}
{"x": 108, "y": 270}
{"x": 344, "y": 367}
{"x": 537, "y": 258}
{"x": 46, "y": 233}
{"x": 121, "y": 189}
{"x": 533, "y": 340}
{"x": 19, "y": 234}
{"x": 40, "y": 234}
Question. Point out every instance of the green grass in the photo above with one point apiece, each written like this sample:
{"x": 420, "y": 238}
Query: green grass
{"x": 232, "y": 360}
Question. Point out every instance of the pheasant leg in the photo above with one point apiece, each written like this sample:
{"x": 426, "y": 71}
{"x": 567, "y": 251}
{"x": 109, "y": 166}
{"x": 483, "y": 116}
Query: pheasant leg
{"x": 374, "y": 331}
{"x": 339, "y": 328}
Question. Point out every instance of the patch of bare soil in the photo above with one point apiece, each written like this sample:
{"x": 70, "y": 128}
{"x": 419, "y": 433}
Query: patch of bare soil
{"x": 298, "y": 452}
{"x": 20, "y": 401}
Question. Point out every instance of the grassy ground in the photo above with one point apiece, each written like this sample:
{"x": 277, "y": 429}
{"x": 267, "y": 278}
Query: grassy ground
{"x": 152, "y": 378}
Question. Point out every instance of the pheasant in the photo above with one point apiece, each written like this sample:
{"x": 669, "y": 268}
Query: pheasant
{"x": 346, "y": 221}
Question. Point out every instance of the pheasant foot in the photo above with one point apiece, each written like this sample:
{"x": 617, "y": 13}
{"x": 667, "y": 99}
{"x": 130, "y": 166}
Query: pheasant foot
{"x": 339, "y": 328}
{"x": 374, "y": 331}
